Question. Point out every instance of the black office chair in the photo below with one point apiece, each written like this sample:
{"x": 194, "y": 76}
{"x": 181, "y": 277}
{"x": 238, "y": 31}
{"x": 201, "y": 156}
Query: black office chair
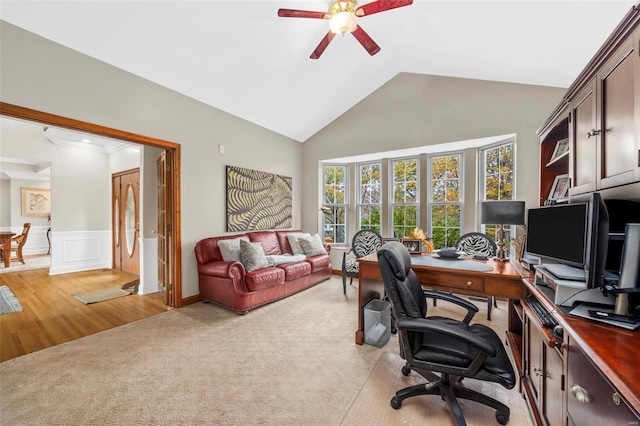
{"x": 431, "y": 345}
{"x": 473, "y": 243}
{"x": 365, "y": 241}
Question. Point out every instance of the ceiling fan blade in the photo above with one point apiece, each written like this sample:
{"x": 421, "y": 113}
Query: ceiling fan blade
{"x": 380, "y": 6}
{"x": 366, "y": 41}
{"x": 323, "y": 45}
{"x": 292, "y": 13}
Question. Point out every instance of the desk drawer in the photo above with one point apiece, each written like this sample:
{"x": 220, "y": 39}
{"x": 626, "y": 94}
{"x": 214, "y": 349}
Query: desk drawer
{"x": 452, "y": 281}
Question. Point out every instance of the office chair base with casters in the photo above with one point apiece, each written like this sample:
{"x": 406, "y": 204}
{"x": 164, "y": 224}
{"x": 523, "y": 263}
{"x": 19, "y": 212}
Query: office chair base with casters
{"x": 450, "y": 390}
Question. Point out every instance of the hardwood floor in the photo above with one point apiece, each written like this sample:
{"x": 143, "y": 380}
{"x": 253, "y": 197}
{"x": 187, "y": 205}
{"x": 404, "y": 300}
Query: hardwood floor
{"x": 51, "y": 316}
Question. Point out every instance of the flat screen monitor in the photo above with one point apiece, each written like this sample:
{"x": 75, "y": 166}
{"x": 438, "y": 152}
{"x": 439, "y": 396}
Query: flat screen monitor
{"x": 572, "y": 234}
{"x": 559, "y": 233}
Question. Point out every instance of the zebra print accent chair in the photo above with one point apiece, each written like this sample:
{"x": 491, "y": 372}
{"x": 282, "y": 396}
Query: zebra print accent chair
{"x": 479, "y": 243}
{"x": 365, "y": 241}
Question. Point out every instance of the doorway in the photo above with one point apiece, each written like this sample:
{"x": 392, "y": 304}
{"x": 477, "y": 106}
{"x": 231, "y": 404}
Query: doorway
{"x": 172, "y": 151}
{"x": 125, "y": 219}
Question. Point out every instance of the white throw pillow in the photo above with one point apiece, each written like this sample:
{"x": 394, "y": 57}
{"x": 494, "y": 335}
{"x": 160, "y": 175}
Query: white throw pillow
{"x": 312, "y": 246}
{"x": 230, "y": 249}
{"x": 252, "y": 256}
{"x": 293, "y": 241}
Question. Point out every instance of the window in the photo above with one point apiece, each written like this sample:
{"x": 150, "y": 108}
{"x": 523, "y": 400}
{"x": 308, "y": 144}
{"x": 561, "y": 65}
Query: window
{"x": 369, "y": 195}
{"x": 335, "y": 197}
{"x": 404, "y": 203}
{"x": 497, "y": 182}
{"x": 446, "y": 199}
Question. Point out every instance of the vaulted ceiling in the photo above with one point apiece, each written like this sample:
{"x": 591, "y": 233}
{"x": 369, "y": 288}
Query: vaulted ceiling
{"x": 240, "y": 57}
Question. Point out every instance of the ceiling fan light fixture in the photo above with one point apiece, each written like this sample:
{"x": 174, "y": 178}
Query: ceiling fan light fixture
{"x": 342, "y": 23}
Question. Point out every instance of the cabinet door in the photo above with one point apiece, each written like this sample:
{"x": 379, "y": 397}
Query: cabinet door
{"x": 618, "y": 156}
{"x": 535, "y": 367}
{"x": 585, "y": 141}
{"x": 553, "y": 387}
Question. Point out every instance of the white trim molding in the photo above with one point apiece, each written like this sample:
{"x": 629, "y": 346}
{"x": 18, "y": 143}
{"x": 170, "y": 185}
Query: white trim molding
{"x": 149, "y": 266}
{"x": 75, "y": 251}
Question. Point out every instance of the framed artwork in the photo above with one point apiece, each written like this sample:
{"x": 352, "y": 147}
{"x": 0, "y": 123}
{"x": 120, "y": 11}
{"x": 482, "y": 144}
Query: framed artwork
{"x": 412, "y": 245}
{"x": 562, "y": 147}
{"x": 560, "y": 188}
{"x": 35, "y": 201}
{"x": 386, "y": 240}
{"x": 258, "y": 200}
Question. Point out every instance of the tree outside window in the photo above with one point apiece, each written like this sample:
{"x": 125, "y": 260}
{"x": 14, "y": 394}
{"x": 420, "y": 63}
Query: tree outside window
{"x": 404, "y": 208}
{"x": 370, "y": 198}
{"x": 499, "y": 170}
{"x": 335, "y": 196}
{"x": 446, "y": 199}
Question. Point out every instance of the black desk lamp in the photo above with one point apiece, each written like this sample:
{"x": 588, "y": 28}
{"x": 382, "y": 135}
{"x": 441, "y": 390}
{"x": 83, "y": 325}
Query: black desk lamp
{"x": 501, "y": 213}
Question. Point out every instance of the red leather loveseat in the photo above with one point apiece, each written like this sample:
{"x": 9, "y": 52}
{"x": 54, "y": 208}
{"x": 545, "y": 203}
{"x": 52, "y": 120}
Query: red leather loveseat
{"x": 227, "y": 283}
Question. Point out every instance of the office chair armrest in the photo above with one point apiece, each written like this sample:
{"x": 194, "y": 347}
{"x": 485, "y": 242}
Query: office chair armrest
{"x": 470, "y": 307}
{"x": 435, "y": 326}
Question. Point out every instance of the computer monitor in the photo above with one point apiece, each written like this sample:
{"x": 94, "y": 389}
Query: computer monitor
{"x": 574, "y": 234}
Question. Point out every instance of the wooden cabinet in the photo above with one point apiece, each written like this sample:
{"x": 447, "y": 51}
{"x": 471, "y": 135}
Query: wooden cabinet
{"x": 606, "y": 123}
{"x": 543, "y": 376}
{"x": 600, "y": 116}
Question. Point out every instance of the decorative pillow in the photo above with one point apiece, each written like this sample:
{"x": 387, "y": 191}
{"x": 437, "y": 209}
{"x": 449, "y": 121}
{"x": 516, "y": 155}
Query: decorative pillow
{"x": 230, "y": 249}
{"x": 252, "y": 256}
{"x": 312, "y": 246}
{"x": 293, "y": 241}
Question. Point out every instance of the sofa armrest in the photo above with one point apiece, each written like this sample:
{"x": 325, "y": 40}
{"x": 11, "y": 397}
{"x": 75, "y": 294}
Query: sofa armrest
{"x": 222, "y": 269}
{"x": 327, "y": 247}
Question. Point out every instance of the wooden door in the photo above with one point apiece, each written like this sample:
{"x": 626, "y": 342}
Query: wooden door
{"x": 126, "y": 221}
{"x": 163, "y": 232}
{"x": 618, "y": 116}
{"x": 585, "y": 141}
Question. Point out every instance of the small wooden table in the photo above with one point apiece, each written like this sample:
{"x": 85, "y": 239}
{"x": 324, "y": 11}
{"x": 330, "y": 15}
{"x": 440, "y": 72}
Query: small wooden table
{"x": 500, "y": 279}
{"x": 5, "y": 239}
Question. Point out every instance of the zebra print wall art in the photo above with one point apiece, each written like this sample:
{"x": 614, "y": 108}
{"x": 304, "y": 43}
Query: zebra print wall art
{"x": 257, "y": 200}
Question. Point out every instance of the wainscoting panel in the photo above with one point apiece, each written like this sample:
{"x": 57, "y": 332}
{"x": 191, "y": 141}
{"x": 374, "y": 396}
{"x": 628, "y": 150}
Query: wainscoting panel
{"x": 80, "y": 251}
{"x": 149, "y": 265}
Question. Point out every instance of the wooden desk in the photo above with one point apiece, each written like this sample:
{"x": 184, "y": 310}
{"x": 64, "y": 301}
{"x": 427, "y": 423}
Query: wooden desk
{"x": 5, "y": 239}
{"x": 502, "y": 280}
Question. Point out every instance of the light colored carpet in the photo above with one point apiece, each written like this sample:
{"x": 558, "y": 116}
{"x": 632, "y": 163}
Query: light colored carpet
{"x": 8, "y": 301}
{"x": 293, "y": 362}
{"x": 102, "y": 295}
{"x": 31, "y": 262}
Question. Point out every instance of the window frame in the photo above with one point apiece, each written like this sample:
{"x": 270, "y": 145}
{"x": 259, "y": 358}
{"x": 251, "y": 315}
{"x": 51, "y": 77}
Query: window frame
{"x": 332, "y": 221}
{"x": 359, "y": 201}
{"x": 431, "y": 203}
{"x": 391, "y": 192}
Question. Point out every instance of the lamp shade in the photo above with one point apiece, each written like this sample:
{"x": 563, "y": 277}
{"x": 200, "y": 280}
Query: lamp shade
{"x": 502, "y": 212}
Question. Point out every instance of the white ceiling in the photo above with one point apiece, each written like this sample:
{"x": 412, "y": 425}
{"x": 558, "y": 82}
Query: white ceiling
{"x": 240, "y": 57}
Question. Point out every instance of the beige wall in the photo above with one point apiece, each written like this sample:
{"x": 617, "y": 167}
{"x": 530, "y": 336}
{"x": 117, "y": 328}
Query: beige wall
{"x": 39, "y": 74}
{"x": 414, "y": 110}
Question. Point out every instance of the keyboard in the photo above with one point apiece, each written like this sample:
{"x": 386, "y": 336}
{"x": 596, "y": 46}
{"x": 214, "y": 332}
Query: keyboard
{"x": 545, "y": 317}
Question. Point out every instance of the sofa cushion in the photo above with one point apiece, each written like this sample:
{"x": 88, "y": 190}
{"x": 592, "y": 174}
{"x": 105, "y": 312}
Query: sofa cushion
{"x": 312, "y": 246}
{"x": 230, "y": 249}
{"x": 269, "y": 241}
{"x": 319, "y": 263}
{"x": 293, "y": 271}
{"x": 296, "y": 248}
{"x": 262, "y": 279}
{"x": 252, "y": 256}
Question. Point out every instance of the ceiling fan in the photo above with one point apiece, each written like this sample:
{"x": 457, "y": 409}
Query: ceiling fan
{"x": 342, "y": 16}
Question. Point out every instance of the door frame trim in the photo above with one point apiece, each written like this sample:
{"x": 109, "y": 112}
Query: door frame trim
{"x": 172, "y": 148}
